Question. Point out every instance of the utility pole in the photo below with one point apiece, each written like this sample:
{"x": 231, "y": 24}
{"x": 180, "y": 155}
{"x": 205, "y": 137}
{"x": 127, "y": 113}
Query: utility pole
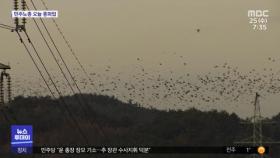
{"x": 4, "y": 75}
{"x": 19, "y": 26}
{"x": 257, "y": 139}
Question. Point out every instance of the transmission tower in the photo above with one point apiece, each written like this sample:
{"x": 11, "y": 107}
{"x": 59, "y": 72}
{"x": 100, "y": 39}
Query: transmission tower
{"x": 257, "y": 139}
{"x": 4, "y": 75}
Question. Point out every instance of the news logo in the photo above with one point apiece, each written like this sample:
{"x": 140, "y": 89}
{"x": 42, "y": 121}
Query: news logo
{"x": 258, "y": 19}
{"x": 22, "y": 139}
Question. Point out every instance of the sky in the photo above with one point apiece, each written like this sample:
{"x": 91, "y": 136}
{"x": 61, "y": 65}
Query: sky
{"x": 116, "y": 32}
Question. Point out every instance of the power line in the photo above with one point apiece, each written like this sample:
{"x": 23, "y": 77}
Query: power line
{"x": 72, "y": 77}
{"x": 67, "y": 68}
{"x": 4, "y": 27}
{"x": 22, "y": 28}
{"x": 59, "y": 65}
{"x": 43, "y": 64}
{"x": 56, "y": 60}
{"x": 36, "y": 65}
{"x": 61, "y": 98}
{"x": 69, "y": 45}
{"x": 79, "y": 101}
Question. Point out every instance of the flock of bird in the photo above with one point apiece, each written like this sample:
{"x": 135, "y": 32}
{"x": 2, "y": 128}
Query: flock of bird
{"x": 148, "y": 87}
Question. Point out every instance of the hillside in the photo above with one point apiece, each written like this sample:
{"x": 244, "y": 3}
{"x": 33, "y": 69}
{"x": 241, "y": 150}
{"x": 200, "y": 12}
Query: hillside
{"x": 108, "y": 121}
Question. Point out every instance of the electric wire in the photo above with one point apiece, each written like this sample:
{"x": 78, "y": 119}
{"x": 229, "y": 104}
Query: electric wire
{"x": 68, "y": 70}
{"x": 62, "y": 100}
{"x": 38, "y": 69}
{"x": 69, "y": 45}
{"x": 59, "y": 92}
{"x": 57, "y": 62}
{"x": 36, "y": 65}
{"x": 50, "y": 77}
{"x": 4, "y": 27}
